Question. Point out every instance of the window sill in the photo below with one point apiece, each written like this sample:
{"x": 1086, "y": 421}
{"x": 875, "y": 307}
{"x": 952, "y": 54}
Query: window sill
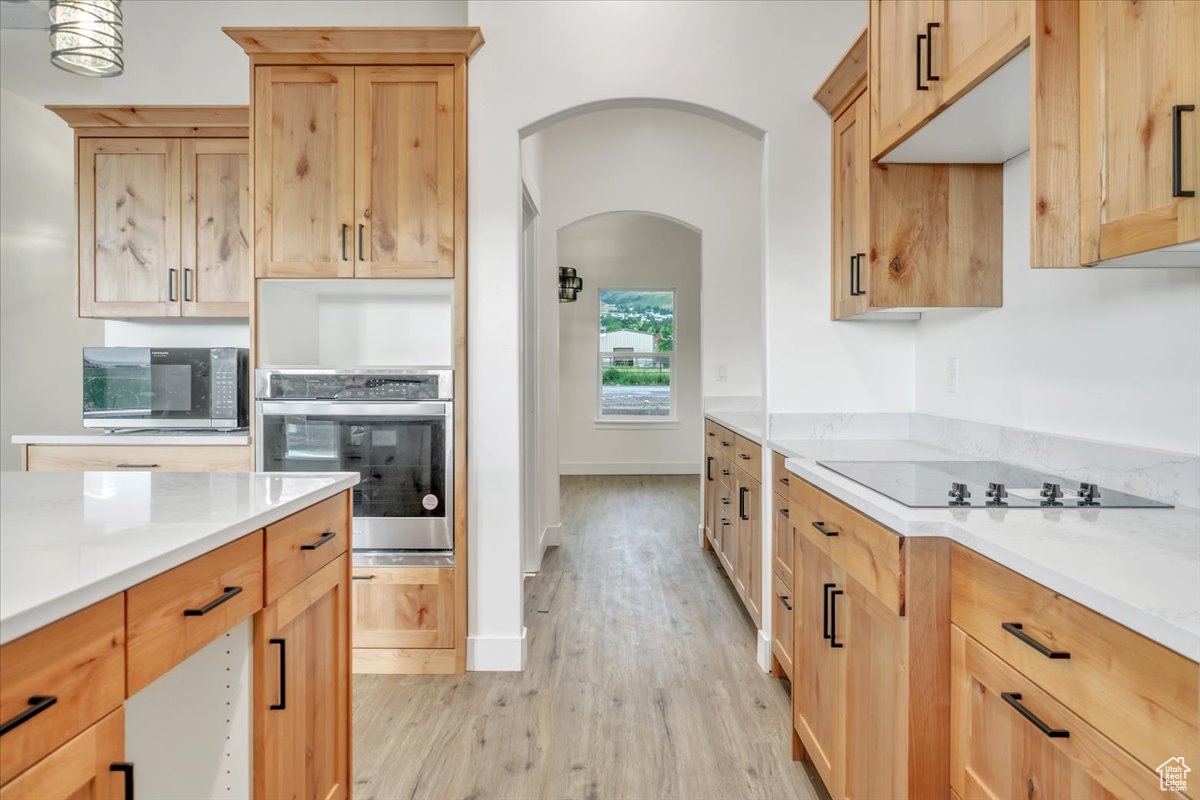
{"x": 651, "y": 423}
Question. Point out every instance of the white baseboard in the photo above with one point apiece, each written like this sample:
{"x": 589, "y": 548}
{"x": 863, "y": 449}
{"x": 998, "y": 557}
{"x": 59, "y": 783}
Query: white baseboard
{"x": 631, "y": 468}
{"x": 497, "y": 653}
{"x": 551, "y": 536}
{"x": 764, "y": 652}
{"x": 700, "y": 530}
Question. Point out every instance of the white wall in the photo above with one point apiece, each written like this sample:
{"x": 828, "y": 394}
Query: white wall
{"x": 1108, "y": 354}
{"x": 628, "y": 251}
{"x": 175, "y": 53}
{"x": 757, "y": 61}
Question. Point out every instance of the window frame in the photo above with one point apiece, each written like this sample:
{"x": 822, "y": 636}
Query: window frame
{"x": 671, "y": 419}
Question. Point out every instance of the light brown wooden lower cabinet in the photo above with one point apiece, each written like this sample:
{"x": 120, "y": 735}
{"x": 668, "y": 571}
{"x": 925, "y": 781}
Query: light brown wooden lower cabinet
{"x": 302, "y": 689}
{"x": 138, "y": 458}
{"x": 87, "y": 767}
{"x": 404, "y": 619}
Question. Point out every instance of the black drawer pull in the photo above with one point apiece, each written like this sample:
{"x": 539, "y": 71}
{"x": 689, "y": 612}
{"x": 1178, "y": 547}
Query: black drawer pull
{"x": 137, "y": 466}
{"x": 821, "y": 527}
{"x": 784, "y": 481}
{"x": 724, "y": 472}
{"x": 929, "y": 76}
{"x": 724, "y": 523}
{"x": 785, "y": 512}
{"x": 743, "y": 492}
{"x": 1177, "y": 189}
{"x": 920, "y": 86}
{"x": 784, "y": 599}
{"x": 1014, "y": 700}
{"x": 361, "y": 257}
{"x": 363, "y": 577}
{"x": 230, "y": 593}
{"x": 37, "y": 704}
{"x": 825, "y": 611}
{"x": 724, "y": 501}
{"x": 282, "y": 704}
{"x": 326, "y": 537}
{"x": 1017, "y": 630}
{"x": 708, "y": 467}
{"x": 725, "y": 443}
{"x": 344, "y": 227}
{"x": 833, "y": 642}
{"x": 744, "y": 456}
{"x": 125, "y": 767}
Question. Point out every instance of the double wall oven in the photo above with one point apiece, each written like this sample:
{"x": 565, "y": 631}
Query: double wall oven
{"x": 394, "y": 427}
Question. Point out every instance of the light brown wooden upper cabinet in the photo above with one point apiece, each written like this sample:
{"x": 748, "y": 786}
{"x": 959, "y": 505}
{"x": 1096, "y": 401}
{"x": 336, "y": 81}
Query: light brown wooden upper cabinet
{"x": 1139, "y": 130}
{"x": 906, "y": 237}
{"x": 163, "y": 210}
{"x": 925, "y": 54}
{"x": 354, "y": 171}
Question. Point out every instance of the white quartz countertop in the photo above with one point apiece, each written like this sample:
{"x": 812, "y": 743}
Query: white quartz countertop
{"x": 746, "y": 423}
{"x": 1139, "y": 567}
{"x": 143, "y": 439}
{"x": 71, "y": 539}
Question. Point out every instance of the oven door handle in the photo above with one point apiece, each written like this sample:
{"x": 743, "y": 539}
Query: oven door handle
{"x": 352, "y": 408}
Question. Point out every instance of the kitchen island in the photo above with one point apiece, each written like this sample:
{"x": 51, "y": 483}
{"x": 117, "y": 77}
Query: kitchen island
{"x": 159, "y": 628}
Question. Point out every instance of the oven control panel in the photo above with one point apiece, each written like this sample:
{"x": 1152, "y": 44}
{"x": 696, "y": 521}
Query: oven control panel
{"x": 367, "y": 387}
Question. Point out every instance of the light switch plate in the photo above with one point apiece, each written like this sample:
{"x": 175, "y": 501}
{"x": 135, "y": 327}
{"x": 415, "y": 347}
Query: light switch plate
{"x": 952, "y": 375}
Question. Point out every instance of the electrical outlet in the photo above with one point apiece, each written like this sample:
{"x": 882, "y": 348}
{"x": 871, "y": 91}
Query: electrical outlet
{"x": 722, "y": 372}
{"x": 952, "y": 375}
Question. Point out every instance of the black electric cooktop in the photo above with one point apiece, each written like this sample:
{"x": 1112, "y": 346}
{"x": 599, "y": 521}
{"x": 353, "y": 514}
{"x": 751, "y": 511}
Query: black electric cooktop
{"x": 980, "y": 484}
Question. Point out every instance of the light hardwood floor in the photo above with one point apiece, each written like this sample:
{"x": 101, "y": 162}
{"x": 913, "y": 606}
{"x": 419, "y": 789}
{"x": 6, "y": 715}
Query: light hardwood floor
{"x": 641, "y": 680}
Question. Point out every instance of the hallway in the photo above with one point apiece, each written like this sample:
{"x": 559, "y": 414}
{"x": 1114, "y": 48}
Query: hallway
{"x": 640, "y": 681}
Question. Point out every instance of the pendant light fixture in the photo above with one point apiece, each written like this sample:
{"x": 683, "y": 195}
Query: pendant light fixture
{"x": 569, "y": 285}
{"x": 85, "y": 37}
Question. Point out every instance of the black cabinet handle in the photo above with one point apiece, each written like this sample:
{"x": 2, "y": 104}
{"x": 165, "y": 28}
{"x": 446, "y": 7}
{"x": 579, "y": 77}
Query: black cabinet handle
{"x": 326, "y": 537}
{"x": 742, "y": 492}
{"x": 360, "y": 242}
{"x": 786, "y": 513}
{"x": 821, "y": 527}
{"x": 1177, "y": 189}
{"x": 725, "y": 443}
{"x": 724, "y": 523}
{"x": 784, "y": 481}
{"x": 920, "y": 86}
{"x": 363, "y": 577}
{"x": 859, "y": 290}
{"x": 710, "y": 433}
{"x": 37, "y": 704}
{"x": 853, "y": 288}
{"x": 1014, "y": 700}
{"x": 125, "y": 767}
{"x": 172, "y": 277}
{"x": 744, "y": 456}
{"x": 230, "y": 593}
{"x": 724, "y": 472}
{"x": 724, "y": 501}
{"x": 929, "y": 26}
{"x": 708, "y": 467}
{"x": 825, "y": 610}
{"x": 1017, "y": 630}
{"x": 833, "y": 595}
{"x": 282, "y": 704}
{"x": 187, "y": 284}
{"x": 137, "y": 466}
{"x": 345, "y": 230}
{"x": 784, "y": 599}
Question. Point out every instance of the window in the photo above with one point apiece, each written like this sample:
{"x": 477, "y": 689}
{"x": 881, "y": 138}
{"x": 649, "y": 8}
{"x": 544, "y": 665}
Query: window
{"x": 636, "y": 354}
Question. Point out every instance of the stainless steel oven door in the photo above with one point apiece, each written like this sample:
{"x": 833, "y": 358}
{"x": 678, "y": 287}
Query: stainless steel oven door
{"x": 403, "y": 453}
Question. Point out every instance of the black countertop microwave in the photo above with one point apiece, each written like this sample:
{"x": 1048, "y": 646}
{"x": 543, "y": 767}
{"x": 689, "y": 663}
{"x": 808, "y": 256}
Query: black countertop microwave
{"x": 166, "y": 387}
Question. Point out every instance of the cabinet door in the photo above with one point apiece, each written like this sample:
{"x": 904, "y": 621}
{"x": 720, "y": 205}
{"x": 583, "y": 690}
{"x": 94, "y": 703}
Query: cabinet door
{"x": 754, "y": 551}
{"x": 783, "y": 625}
{"x": 875, "y": 698}
{"x": 129, "y": 227}
{"x": 303, "y": 172}
{"x": 82, "y": 769}
{"x": 818, "y": 679}
{"x": 729, "y": 518}
{"x": 302, "y": 689}
{"x": 902, "y": 95}
{"x": 710, "y": 494}
{"x": 782, "y": 542}
{"x": 1008, "y": 738}
{"x": 215, "y": 228}
{"x": 743, "y": 498}
{"x": 403, "y": 607}
{"x": 1138, "y": 60}
{"x": 851, "y": 207}
{"x": 975, "y": 37}
{"x": 404, "y": 172}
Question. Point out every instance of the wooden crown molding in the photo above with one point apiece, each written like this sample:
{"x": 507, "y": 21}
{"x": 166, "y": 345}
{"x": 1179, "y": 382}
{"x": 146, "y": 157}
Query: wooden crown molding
{"x": 449, "y": 41}
{"x": 154, "y": 116}
{"x": 846, "y": 76}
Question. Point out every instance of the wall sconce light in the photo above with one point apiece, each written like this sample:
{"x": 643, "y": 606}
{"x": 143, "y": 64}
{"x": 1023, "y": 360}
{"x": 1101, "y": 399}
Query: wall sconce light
{"x": 85, "y": 37}
{"x": 569, "y": 285}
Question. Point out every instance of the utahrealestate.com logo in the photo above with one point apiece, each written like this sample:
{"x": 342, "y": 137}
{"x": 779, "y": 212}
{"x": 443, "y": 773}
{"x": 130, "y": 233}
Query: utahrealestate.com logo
{"x": 1172, "y": 775}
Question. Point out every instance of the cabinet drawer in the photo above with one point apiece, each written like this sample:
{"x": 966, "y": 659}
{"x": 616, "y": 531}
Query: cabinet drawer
{"x": 783, "y": 623}
{"x": 726, "y": 441}
{"x": 782, "y": 541}
{"x": 80, "y": 663}
{"x": 301, "y": 544}
{"x": 779, "y": 473}
{"x": 867, "y": 551}
{"x": 997, "y": 750}
{"x": 133, "y": 458}
{"x": 403, "y": 607}
{"x": 80, "y": 769}
{"x": 1134, "y": 691}
{"x": 748, "y": 456}
{"x": 172, "y": 616}
{"x": 711, "y": 433}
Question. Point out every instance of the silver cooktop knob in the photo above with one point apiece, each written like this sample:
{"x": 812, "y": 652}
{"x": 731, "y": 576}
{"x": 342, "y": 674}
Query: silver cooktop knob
{"x": 1050, "y": 494}
{"x": 959, "y": 494}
